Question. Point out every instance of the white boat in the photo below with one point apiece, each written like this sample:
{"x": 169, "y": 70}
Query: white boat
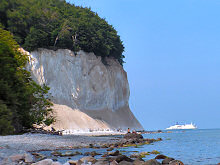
{"x": 182, "y": 126}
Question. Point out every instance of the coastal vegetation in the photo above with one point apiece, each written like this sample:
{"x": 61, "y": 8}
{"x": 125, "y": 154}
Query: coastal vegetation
{"x": 22, "y": 101}
{"x": 55, "y": 24}
{"x": 51, "y": 24}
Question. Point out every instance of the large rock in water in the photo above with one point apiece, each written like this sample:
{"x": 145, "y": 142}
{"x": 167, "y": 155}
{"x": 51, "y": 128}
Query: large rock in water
{"x": 86, "y": 93}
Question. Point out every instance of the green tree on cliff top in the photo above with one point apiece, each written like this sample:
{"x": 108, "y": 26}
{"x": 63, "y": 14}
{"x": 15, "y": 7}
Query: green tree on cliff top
{"x": 55, "y": 24}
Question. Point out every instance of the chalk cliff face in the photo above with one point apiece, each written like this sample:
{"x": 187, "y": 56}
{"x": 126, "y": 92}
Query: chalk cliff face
{"x": 83, "y": 83}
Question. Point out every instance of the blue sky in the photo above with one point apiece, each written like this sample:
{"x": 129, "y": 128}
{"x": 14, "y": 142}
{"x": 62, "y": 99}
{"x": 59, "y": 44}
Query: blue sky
{"x": 172, "y": 51}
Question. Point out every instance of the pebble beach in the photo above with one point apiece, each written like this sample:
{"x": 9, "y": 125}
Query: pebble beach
{"x": 46, "y": 149}
{"x": 36, "y": 142}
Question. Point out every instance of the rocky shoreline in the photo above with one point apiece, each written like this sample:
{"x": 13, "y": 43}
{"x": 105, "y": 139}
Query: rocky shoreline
{"x": 27, "y": 149}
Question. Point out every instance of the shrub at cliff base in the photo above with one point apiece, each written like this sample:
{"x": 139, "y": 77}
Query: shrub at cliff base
{"x": 22, "y": 102}
{"x": 5, "y": 120}
{"x": 55, "y": 24}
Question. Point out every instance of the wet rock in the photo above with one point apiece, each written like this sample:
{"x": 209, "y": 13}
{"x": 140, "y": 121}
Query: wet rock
{"x": 68, "y": 153}
{"x": 94, "y": 153}
{"x": 121, "y": 144}
{"x": 152, "y": 162}
{"x": 72, "y": 162}
{"x": 160, "y": 157}
{"x": 91, "y": 146}
{"x": 97, "y": 147}
{"x": 116, "y": 153}
{"x": 105, "y": 146}
{"x": 176, "y": 162}
{"x": 116, "y": 145}
{"x": 133, "y": 136}
{"x": 123, "y": 158}
{"x": 56, "y": 153}
{"x": 112, "y": 145}
{"x": 54, "y": 159}
{"x": 143, "y": 154}
{"x": 75, "y": 162}
{"x": 167, "y": 160}
{"x": 39, "y": 156}
{"x": 104, "y": 155}
{"x": 148, "y": 141}
{"x": 132, "y": 141}
{"x": 140, "y": 155}
{"x": 125, "y": 163}
{"x": 86, "y": 154}
{"x": 155, "y": 152}
{"x": 78, "y": 153}
{"x": 88, "y": 159}
{"x": 110, "y": 149}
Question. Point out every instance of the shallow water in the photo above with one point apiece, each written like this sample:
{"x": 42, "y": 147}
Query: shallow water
{"x": 193, "y": 147}
{"x": 77, "y": 157}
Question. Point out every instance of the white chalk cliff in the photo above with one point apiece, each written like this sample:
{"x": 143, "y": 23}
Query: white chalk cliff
{"x": 86, "y": 93}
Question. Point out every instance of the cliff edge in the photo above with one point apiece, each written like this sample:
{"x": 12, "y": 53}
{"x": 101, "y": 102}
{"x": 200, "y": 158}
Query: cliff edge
{"x": 86, "y": 93}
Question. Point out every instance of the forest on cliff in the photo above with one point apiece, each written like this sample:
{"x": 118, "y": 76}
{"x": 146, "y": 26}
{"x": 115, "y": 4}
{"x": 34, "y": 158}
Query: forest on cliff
{"x": 22, "y": 101}
{"x": 55, "y": 24}
{"x": 51, "y": 24}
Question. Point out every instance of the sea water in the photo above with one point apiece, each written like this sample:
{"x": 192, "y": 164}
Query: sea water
{"x": 192, "y": 147}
